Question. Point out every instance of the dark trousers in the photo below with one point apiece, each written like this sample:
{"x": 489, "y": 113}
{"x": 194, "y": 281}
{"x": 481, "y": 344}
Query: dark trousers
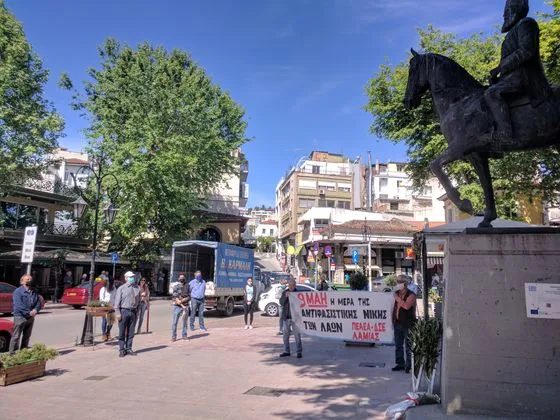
{"x": 141, "y": 311}
{"x": 126, "y": 329}
{"x": 22, "y": 331}
{"x": 249, "y": 308}
{"x": 401, "y": 339}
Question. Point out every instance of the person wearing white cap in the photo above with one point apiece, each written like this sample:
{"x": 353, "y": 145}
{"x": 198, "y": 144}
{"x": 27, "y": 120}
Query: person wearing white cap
{"x": 126, "y": 303}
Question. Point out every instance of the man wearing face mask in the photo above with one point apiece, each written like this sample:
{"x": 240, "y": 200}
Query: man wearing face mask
{"x": 404, "y": 317}
{"x": 26, "y": 306}
{"x": 126, "y": 303}
{"x": 197, "y": 288}
{"x": 181, "y": 300}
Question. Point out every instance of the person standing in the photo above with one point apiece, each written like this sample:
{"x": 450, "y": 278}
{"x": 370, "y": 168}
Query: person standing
{"x": 144, "y": 303}
{"x": 126, "y": 303}
{"x": 26, "y": 305}
{"x": 249, "y": 298}
{"x": 197, "y": 288}
{"x": 279, "y": 291}
{"x": 289, "y": 323}
{"x": 68, "y": 280}
{"x": 181, "y": 300}
{"x": 404, "y": 317}
{"x": 107, "y": 295}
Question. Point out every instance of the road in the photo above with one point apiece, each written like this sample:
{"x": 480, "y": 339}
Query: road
{"x": 62, "y": 326}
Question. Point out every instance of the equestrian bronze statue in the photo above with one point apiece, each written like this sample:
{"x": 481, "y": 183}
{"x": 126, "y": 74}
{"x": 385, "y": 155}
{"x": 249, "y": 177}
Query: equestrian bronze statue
{"x": 518, "y": 111}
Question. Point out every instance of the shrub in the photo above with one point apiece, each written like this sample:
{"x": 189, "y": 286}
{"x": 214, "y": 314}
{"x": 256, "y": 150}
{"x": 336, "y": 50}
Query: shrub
{"x": 37, "y": 352}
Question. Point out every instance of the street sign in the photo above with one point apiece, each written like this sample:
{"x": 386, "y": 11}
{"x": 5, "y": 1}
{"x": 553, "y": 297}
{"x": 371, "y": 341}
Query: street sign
{"x": 291, "y": 250}
{"x": 28, "y": 244}
{"x": 114, "y": 257}
{"x": 328, "y": 251}
{"x": 333, "y": 266}
{"x": 354, "y": 256}
{"x": 315, "y": 248}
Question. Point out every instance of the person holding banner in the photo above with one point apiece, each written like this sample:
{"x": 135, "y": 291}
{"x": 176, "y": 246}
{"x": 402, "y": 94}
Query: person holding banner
{"x": 288, "y": 322}
{"x": 404, "y": 317}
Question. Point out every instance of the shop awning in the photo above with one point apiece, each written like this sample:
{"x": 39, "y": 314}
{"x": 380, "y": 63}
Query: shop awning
{"x": 433, "y": 261}
{"x": 352, "y": 267}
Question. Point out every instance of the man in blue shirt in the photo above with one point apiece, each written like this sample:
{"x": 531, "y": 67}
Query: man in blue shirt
{"x": 26, "y": 306}
{"x": 197, "y": 287}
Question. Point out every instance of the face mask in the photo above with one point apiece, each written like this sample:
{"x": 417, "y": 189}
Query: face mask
{"x": 182, "y": 280}
{"x": 198, "y": 277}
{"x": 131, "y": 279}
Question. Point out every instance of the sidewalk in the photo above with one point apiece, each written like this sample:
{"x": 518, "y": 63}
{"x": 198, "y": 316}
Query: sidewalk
{"x": 50, "y": 305}
{"x": 207, "y": 378}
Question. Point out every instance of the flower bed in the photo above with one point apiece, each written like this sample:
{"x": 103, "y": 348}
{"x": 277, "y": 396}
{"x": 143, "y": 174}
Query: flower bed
{"x": 25, "y": 364}
{"x": 98, "y": 308}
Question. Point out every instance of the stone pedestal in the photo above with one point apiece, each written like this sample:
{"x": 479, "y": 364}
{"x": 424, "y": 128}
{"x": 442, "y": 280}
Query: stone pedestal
{"x": 495, "y": 359}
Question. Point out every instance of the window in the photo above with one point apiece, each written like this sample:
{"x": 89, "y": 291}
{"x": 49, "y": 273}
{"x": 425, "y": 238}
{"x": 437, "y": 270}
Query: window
{"x": 316, "y": 169}
{"x": 343, "y": 204}
{"x": 326, "y": 185}
{"x": 344, "y": 187}
{"x": 271, "y": 232}
{"x": 322, "y": 203}
{"x": 321, "y": 223}
{"x": 264, "y": 231}
{"x": 383, "y": 196}
{"x": 306, "y": 203}
{"x": 330, "y": 203}
{"x": 383, "y": 182}
{"x": 400, "y": 167}
{"x": 399, "y": 184}
{"x": 309, "y": 184}
{"x": 394, "y": 206}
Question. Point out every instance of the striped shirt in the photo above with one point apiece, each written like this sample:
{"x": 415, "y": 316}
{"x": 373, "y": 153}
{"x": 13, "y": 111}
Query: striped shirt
{"x": 128, "y": 297}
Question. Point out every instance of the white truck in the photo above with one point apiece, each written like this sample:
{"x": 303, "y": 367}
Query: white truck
{"x": 224, "y": 267}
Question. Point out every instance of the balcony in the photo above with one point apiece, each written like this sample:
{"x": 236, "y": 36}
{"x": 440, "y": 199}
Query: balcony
{"x": 49, "y": 184}
{"x": 346, "y": 172}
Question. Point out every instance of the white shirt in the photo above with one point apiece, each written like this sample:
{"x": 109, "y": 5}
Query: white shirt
{"x": 104, "y": 295}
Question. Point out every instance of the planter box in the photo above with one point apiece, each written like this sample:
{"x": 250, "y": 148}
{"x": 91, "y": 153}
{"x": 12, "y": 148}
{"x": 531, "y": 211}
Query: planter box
{"x": 98, "y": 310}
{"x": 20, "y": 373}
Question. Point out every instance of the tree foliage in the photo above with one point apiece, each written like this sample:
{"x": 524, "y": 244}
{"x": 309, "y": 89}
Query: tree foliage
{"x": 29, "y": 126}
{"x": 550, "y": 45}
{"x": 169, "y": 133}
{"x": 515, "y": 175}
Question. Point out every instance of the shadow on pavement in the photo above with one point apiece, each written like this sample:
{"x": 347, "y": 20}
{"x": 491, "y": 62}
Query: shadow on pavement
{"x": 64, "y": 352}
{"x": 351, "y": 392}
{"x": 56, "y": 372}
{"x": 194, "y": 337}
{"x": 147, "y": 349}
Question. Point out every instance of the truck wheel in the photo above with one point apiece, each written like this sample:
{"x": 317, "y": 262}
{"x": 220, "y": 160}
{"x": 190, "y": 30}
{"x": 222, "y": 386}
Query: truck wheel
{"x": 230, "y": 306}
{"x": 271, "y": 309}
{"x": 4, "y": 341}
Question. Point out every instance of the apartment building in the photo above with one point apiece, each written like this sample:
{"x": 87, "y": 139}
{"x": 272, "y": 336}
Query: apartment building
{"x": 392, "y": 192}
{"x": 323, "y": 179}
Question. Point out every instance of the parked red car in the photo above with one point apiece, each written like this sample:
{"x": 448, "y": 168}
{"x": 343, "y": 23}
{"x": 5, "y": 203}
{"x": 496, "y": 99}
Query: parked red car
{"x": 6, "y": 332}
{"x": 78, "y": 296}
{"x": 7, "y": 301}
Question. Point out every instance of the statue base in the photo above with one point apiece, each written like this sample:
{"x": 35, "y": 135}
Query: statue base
{"x": 496, "y": 360}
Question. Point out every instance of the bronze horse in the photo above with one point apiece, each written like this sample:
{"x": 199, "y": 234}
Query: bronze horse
{"x": 467, "y": 124}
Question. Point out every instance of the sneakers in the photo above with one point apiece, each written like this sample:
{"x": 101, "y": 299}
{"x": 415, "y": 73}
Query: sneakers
{"x": 192, "y": 328}
{"x": 173, "y": 339}
{"x": 285, "y": 354}
{"x": 203, "y": 329}
{"x": 185, "y": 337}
{"x": 131, "y": 353}
{"x": 246, "y": 327}
{"x": 250, "y": 327}
{"x": 122, "y": 354}
{"x": 299, "y": 355}
{"x": 398, "y": 368}
{"x": 280, "y": 333}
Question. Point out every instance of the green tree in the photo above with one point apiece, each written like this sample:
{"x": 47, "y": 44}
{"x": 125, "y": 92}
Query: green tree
{"x": 514, "y": 175}
{"x": 29, "y": 126}
{"x": 550, "y": 47}
{"x": 264, "y": 243}
{"x": 170, "y": 134}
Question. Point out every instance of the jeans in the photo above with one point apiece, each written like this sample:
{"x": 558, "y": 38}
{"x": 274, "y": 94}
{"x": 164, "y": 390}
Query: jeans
{"x": 289, "y": 324}
{"x": 280, "y": 321}
{"x": 140, "y": 315}
{"x": 177, "y": 311}
{"x": 249, "y": 308}
{"x": 107, "y": 323}
{"x": 197, "y": 304}
{"x": 22, "y": 329}
{"x": 401, "y": 339}
{"x": 126, "y": 329}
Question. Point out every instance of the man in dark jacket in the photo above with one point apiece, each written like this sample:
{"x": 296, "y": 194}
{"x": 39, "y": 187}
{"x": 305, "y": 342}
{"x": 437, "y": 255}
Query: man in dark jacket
{"x": 288, "y": 322}
{"x": 26, "y": 306}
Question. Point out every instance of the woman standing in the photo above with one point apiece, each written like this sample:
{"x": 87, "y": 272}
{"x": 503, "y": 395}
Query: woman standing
{"x": 250, "y": 296}
{"x": 107, "y": 295}
{"x": 144, "y": 302}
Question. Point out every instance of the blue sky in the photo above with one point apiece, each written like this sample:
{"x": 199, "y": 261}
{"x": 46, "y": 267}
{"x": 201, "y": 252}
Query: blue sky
{"x": 298, "y": 67}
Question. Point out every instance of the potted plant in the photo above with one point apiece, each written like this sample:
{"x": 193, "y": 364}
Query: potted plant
{"x": 98, "y": 308}
{"x": 425, "y": 337}
{"x": 391, "y": 280}
{"x": 25, "y": 364}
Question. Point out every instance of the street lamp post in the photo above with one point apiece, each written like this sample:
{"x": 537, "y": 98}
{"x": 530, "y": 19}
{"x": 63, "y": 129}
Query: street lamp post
{"x": 367, "y": 238}
{"x": 96, "y": 169}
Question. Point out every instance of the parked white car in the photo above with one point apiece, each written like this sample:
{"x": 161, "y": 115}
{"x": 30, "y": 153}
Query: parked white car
{"x": 270, "y": 304}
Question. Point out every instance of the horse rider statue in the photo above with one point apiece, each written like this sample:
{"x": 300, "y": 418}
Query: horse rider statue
{"x": 520, "y": 71}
